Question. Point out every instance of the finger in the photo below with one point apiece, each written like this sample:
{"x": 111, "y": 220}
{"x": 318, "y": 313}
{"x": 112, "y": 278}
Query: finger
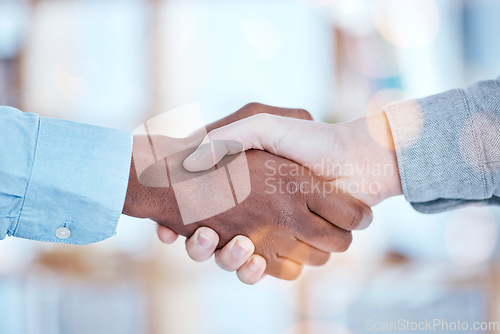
{"x": 208, "y": 154}
{"x": 296, "y": 113}
{"x": 284, "y": 268}
{"x": 323, "y": 235}
{"x": 166, "y": 235}
{"x": 202, "y": 244}
{"x": 306, "y": 254}
{"x": 340, "y": 209}
{"x": 235, "y": 253}
{"x": 275, "y": 134}
{"x": 249, "y": 133}
{"x": 253, "y": 270}
{"x": 257, "y": 108}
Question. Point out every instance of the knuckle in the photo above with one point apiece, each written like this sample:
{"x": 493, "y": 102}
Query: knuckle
{"x": 259, "y": 118}
{"x": 359, "y": 215}
{"x": 302, "y": 114}
{"x": 287, "y": 270}
{"x": 214, "y": 133}
{"x": 367, "y": 216}
{"x": 355, "y": 215}
{"x": 320, "y": 259}
{"x": 293, "y": 274}
{"x": 251, "y": 108}
{"x": 344, "y": 244}
{"x": 253, "y": 105}
{"x": 245, "y": 111}
{"x": 264, "y": 122}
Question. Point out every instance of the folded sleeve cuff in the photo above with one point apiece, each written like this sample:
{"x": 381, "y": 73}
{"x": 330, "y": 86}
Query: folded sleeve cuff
{"x": 439, "y": 152}
{"x": 77, "y": 185}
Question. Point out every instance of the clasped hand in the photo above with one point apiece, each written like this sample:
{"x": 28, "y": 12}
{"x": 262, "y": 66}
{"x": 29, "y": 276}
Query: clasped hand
{"x": 277, "y": 229}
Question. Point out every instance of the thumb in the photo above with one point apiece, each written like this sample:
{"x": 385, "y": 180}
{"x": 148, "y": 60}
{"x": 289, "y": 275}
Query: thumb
{"x": 242, "y": 135}
{"x": 207, "y": 155}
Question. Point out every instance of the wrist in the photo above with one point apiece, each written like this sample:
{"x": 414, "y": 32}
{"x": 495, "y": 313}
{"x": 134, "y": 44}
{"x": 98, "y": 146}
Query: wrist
{"x": 369, "y": 150}
{"x": 150, "y": 193}
{"x": 135, "y": 199}
{"x": 385, "y": 154}
{"x": 142, "y": 201}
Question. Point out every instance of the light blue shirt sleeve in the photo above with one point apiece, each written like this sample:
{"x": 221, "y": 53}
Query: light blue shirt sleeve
{"x": 448, "y": 147}
{"x": 60, "y": 181}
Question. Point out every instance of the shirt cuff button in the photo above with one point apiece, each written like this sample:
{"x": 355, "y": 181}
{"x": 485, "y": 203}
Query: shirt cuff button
{"x": 63, "y": 233}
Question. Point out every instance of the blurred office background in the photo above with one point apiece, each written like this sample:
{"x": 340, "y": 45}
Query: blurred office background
{"x": 119, "y": 62}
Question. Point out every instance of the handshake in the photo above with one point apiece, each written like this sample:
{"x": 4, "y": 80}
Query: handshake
{"x": 291, "y": 199}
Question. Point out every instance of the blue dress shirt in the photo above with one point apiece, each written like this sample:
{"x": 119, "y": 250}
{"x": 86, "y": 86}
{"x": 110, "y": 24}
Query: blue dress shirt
{"x": 60, "y": 181}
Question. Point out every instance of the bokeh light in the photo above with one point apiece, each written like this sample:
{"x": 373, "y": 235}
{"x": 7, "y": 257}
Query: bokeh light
{"x": 317, "y": 3}
{"x": 407, "y": 116}
{"x": 336, "y": 288}
{"x": 369, "y": 55}
{"x": 409, "y": 23}
{"x": 471, "y": 236}
{"x": 377, "y": 104}
{"x": 263, "y": 35}
{"x": 353, "y": 16}
{"x": 383, "y": 97}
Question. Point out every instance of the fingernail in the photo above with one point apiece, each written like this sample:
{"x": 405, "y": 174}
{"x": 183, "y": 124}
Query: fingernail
{"x": 238, "y": 250}
{"x": 203, "y": 241}
{"x": 253, "y": 266}
{"x": 194, "y": 156}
